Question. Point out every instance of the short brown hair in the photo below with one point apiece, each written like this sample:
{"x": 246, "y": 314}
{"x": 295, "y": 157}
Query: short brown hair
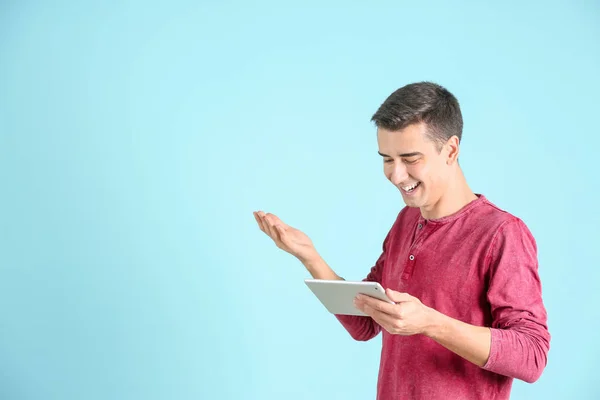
{"x": 425, "y": 102}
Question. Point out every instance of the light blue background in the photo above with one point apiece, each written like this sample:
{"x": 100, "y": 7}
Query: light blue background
{"x": 136, "y": 139}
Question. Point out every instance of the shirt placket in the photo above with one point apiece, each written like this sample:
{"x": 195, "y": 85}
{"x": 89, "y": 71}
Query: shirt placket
{"x": 422, "y": 231}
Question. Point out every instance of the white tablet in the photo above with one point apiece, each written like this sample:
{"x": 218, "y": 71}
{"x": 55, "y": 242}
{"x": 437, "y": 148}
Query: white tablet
{"x": 338, "y": 296}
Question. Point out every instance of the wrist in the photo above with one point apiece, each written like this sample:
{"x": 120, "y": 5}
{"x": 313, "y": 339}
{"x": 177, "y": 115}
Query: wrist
{"x": 312, "y": 261}
{"x": 436, "y": 324}
{"x": 318, "y": 268}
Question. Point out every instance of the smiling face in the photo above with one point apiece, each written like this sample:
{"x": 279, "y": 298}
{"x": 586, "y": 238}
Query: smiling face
{"x": 416, "y": 166}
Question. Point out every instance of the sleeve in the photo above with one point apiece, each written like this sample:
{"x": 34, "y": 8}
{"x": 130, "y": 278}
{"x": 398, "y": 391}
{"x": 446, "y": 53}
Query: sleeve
{"x": 363, "y": 328}
{"x": 520, "y": 337}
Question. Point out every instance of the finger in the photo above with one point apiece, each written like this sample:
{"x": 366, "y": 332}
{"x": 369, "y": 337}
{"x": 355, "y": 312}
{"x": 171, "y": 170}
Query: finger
{"x": 398, "y": 297}
{"x": 272, "y": 230}
{"x": 276, "y": 220}
{"x": 263, "y": 223}
{"x": 276, "y": 233}
{"x": 282, "y": 234}
{"x": 259, "y": 221}
{"x": 268, "y": 226}
{"x": 385, "y": 320}
{"x": 379, "y": 305}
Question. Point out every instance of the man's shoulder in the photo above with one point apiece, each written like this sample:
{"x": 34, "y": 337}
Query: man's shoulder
{"x": 494, "y": 213}
{"x": 492, "y": 217}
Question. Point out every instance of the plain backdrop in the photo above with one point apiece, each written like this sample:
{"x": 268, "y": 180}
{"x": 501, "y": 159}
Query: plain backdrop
{"x": 137, "y": 138}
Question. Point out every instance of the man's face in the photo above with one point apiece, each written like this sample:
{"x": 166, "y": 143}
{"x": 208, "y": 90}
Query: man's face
{"x": 413, "y": 164}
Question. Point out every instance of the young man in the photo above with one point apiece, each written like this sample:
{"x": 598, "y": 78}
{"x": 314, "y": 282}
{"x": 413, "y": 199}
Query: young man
{"x": 469, "y": 316}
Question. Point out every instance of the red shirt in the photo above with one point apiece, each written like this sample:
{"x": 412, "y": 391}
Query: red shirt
{"x": 479, "y": 266}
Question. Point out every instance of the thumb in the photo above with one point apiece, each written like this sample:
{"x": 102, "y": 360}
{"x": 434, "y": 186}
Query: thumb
{"x": 397, "y": 297}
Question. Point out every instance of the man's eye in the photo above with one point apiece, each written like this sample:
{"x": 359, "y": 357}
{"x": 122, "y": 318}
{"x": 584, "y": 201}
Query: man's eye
{"x": 389, "y": 160}
{"x": 411, "y": 161}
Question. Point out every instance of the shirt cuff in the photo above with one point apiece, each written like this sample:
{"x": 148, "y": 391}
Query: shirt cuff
{"x": 494, "y": 346}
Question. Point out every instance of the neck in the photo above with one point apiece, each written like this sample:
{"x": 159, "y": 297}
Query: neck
{"x": 458, "y": 194}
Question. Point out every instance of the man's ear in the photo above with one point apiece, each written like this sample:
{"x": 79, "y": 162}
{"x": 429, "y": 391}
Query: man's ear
{"x": 452, "y": 148}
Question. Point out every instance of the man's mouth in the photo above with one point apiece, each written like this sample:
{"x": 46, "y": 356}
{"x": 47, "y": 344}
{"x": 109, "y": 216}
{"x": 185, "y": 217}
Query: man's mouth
{"x": 410, "y": 188}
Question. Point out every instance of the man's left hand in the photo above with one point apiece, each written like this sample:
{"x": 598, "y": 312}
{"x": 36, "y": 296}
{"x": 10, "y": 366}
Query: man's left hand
{"x": 407, "y": 317}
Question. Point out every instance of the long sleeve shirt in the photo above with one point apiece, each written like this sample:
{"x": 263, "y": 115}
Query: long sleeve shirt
{"x": 479, "y": 266}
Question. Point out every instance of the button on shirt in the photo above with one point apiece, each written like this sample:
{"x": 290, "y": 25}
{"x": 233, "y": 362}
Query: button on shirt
{"x": 479, "y": 266}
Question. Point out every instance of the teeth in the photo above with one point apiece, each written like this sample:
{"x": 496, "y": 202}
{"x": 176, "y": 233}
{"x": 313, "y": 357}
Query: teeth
{"x": 409, "y": 188}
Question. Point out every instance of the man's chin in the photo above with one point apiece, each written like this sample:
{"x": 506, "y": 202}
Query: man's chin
{"x": 415, "y": 203}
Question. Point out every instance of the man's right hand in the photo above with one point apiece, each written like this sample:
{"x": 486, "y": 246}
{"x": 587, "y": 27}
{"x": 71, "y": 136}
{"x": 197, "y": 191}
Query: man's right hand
{"x": 287, "y": 238}
{"x": 295, "y": 242}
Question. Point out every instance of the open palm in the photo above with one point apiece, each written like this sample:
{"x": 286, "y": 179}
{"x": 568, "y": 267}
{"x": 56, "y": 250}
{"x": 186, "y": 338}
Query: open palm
{"x": 286, "y": 237}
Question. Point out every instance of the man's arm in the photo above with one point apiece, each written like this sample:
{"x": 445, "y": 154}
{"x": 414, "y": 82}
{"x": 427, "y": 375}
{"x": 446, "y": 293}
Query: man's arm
{"x": 299, "y": 244}
{"x": 410, "y": 317}
{"x": 360, "y": 328}
{"x": 319, "y": 269}
{"x": 471, "y": 342}
{"x": 520, "y": 339}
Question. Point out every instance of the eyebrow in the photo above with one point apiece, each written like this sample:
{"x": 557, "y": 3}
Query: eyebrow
{"x": 413, "y": 154}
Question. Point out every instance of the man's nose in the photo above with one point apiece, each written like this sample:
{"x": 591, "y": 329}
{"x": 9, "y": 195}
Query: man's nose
{"x": 399, "y": 174}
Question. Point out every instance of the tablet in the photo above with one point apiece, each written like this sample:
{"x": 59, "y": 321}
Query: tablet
{"x": 338, "y": 296}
